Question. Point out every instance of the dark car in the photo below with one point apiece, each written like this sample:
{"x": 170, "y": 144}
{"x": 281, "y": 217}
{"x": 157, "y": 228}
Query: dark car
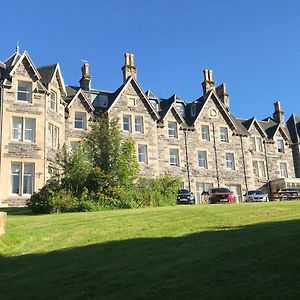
{"x": 185, "y": 196}
{"x": 221, "y": 195}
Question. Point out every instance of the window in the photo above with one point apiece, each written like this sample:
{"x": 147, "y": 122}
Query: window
{"x": 139, "y": 124}
{"x": 261, "y": 167}
{"x": 23, "y": 129}
{"x": 172, "y": 128}
{"x": 202, "y": 159}
{"x": 53, "y": 101}
{"x": 142, "y": 154}
{"x": 174, "y": 157}
{"x": 259, "y": 144}
{"x": 223, "y": 134}
{"x": 280, "y": 146}
{"x": 255, "y": 168}
{"x": 53, "y": 136}
{"x": 131, "y": 101}
{"x": 180, "y": 108}
{"x": 22, "y": 178}
{"x": 74, "y": 145}
{"x": 80, "y": 120}
{"x": 154, "y": 104}
{"x": 252, "y": 143}
{"x": 283, "y": 170}
{"x": 230, "y": 161}
{"x": 205, "y": 132}
{"x": 127, "y": 123}
{"x": 193, "y": 109}
{"x": 24, "y": 91}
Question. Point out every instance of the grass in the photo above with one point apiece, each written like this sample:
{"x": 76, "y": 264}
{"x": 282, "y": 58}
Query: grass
{"x": 246, "y": 251}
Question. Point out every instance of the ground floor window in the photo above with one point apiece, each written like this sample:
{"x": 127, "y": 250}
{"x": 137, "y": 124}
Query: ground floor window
{"x": 22, "y": 178}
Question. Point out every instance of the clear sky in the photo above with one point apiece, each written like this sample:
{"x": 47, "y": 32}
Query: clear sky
{"x": 252, "y": 45}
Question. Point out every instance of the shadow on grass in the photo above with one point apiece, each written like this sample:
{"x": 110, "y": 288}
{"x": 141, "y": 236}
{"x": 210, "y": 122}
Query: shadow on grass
{"x": 253, "y": 262}
{"x": 16, "y": 210}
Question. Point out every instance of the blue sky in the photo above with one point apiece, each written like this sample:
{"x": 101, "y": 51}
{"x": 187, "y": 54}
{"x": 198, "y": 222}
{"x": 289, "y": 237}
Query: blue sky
{"x": 253, "y": 46}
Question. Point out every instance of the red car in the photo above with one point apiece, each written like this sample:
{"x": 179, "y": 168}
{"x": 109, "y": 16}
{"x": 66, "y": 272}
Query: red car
{"x": 221, "y": 195}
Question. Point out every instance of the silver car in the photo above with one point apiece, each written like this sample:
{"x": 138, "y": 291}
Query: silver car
{"x": 256, "y": 196}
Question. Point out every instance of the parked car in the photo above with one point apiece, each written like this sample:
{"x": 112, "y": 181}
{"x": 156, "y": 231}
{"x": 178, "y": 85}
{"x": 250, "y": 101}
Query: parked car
{"x": 185, "y": 196}
{"x": 256, "y": 196}
{"x": 221, "y": 195}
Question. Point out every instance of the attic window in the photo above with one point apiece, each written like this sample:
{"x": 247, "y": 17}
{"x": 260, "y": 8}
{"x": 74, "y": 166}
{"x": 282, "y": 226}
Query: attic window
{"x": 24, "y": 91}
{"x": 53, "y": 101}
{"x": 131, "y": 101}
{"x": 280, "y": 146}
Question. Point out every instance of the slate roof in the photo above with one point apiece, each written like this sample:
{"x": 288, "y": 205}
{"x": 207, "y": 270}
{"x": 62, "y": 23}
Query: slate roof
{"x": 293, "y": 124}
{"x": 46, "y": 73}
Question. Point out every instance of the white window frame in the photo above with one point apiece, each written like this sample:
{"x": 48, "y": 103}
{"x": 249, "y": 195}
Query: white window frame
{"x": 262, "y": 168}
{"x": 174, "y": 157}
{"x": 172, "y": 129}
{"x": 142, "y": 153}
{"x": 252, "y": 143}
{"x": 259, "y": 144}
{"x": 26, "y": 92}
{"x": 230, "y": 163}
{"x": 255, "y": 167}
{"x": 127, "y": 123}
{"x": 202, "y": 159}
{"x": 53, "y": 132}
{"x": 224, "y": 134}
{"x": 205, "y": 135}
{"x": 283, "y": 172}
{"x": 139, "y": 124}
{"x": 80, "y": 120}
{"x": 21, "y": 178}
{"x": 19, "y": 133}
{"x": 53, "y": 101}
{"x": 280, "y": 146}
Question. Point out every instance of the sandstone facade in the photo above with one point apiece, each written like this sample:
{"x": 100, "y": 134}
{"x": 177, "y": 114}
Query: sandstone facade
{"x": 199, "y": 141}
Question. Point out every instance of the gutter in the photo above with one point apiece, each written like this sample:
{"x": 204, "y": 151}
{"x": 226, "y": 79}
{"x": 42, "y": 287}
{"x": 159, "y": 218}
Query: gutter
{"x": 216, "y": 155}
{"x": 244, "y": 164}
{"x": 187, "y": 160}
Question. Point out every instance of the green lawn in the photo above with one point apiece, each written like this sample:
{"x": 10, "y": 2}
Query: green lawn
{"x": 242, "y": 251}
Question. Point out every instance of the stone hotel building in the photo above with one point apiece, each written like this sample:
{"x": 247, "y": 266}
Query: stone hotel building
{"x": 201, "y": 141}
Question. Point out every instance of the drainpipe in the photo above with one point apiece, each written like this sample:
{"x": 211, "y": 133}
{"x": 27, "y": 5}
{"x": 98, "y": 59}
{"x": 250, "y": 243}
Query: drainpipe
{"x": 187, "y": 159}
{"x": 244, "y": 164}
{"x": 267, "y": 167}
{"x": 216, "y": 156}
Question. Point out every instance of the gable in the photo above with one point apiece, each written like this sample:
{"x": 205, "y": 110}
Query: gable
{"x": 132, "y": 98}
{"x": 79, "y": 101}
{"x": 214, "y": 111}
{"x": 25, "y": 68}
{"x": 256, "y": 130}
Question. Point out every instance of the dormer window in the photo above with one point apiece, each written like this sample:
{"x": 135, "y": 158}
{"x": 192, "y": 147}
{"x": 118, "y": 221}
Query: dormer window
{"x": 154, "y": 104}
{"x": 131, "y": 101}
{"x": 193, "y": 110}
{"x": 24, "y": 91}
{"x": 180, "y": 108}
{"x": 53, "y": 101}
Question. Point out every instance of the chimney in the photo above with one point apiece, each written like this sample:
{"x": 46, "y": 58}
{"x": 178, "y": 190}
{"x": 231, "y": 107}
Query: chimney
{"x": 278, "y": 114}
{"x": 208, "y": 83}
{"x": 222, "y": 94}
{"x": 129, "y": 69}
{"x": 85, "y": 81}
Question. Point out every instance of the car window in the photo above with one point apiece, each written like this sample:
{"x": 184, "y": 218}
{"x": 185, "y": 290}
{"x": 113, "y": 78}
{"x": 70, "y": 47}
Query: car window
{"x": 251, "y": 192}
{"x": 183, "y": 191}
{"x": 220, "y": 190}
{"x": 259, "y": 192}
